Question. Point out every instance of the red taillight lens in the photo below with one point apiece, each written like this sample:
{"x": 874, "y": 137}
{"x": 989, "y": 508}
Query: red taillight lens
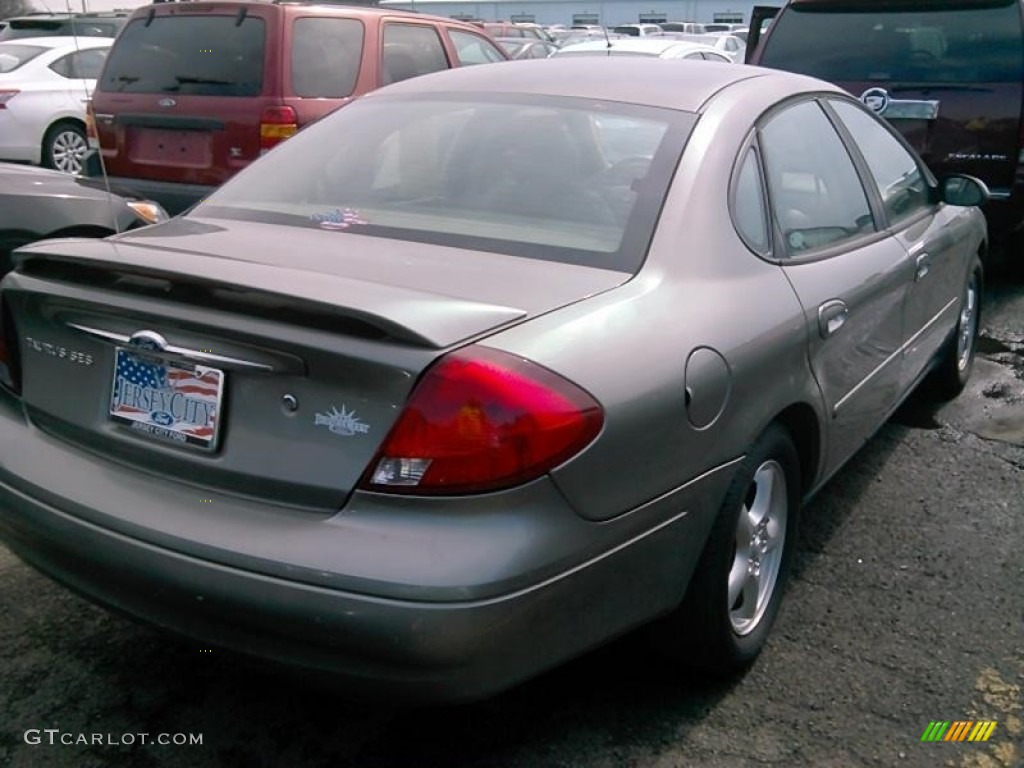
{"x": 6, "y": 94}
{"x": 481, "y": 420}
{"x": 276, "y": 125}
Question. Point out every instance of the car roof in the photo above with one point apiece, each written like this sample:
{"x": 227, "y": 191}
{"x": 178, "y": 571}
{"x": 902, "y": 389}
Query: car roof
{"x": 654, "y": 46}
{"x": 339, "y": 9}
{"x": 67, "y": 41}
{"x": 635, "y": 80}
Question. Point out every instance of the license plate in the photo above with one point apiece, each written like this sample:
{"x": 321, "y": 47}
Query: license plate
{"x": 185, "y": 149}
{"x": 167, "y": 400}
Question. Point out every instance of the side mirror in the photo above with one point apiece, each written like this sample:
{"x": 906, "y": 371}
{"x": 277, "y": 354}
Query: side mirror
{"x": 960, "y": 189}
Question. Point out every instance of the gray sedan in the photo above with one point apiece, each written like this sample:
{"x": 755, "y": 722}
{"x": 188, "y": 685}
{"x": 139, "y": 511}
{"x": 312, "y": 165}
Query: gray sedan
{"x": 393, "y": 408}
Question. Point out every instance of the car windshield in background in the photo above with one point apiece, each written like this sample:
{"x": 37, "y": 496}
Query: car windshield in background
{"x": 13, "y": 56}
{"x": 930, "y": 42}
{"x": 574, "y": 181}
{"x": 188, "y": 55}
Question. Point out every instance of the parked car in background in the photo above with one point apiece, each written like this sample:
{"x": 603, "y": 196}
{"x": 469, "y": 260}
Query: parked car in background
{"x": 63, "y": 25}
{"x": 526, "y": 48}
{"x": 509, "y": 29}
{"x": 355, "y": 410}
{"x": 194, "y": 92}
{"x": 663, "y": 48}
{"x": 725, "y": 43}
{"x": 44, "y": 84}
{"x": 686, "y": 27}
{"x": 949, "y": 75}
{"x": 638, "y": 30}
{"x": 37, "y": 203}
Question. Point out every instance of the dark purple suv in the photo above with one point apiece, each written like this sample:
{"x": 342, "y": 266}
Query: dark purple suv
{"x": 948, "y": 74}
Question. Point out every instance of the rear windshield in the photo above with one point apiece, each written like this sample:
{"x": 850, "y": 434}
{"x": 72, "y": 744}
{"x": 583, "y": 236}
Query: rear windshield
{"x": 567, "y": 180}
{"x": 188, "y": 55}
{"x": 21, "y": 28}
{"x": 13, "y": 56}
{"x": 923, "y": 42}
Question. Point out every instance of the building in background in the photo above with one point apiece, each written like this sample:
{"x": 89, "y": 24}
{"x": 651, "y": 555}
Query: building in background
{"x": 606, "y": 12}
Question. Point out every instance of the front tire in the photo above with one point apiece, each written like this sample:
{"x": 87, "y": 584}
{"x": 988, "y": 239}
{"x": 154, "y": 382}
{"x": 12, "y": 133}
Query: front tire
{"x": 956, "y": 360}
{"x": 734, "y": 595}
{"x": 64, "y": 146}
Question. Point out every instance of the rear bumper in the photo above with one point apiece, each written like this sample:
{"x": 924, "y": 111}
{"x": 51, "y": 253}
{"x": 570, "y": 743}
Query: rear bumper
{"x": 174, "y": 197}
{"x": 432, "y": 648}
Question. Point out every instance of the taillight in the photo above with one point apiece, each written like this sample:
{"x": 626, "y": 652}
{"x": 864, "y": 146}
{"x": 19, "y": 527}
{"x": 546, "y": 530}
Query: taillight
{"x": 276, "y": 125}
{"x": 6, "y": 94}
{"x": 90, "y": 126}
{"x": 481, "y": 420}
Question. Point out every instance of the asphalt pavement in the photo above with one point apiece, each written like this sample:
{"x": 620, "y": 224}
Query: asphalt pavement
{"x": 906, "y": 608}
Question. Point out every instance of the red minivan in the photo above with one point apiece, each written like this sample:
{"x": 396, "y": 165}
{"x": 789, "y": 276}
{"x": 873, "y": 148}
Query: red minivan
{"x": 948, "y": 74}
{"x": 193, "y": 92}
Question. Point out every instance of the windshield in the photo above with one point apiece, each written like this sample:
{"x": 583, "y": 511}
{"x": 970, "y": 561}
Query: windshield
{"x": 199, "y": 55}
{"x": 933, "y": 43}
{"x": 566, "y": 180}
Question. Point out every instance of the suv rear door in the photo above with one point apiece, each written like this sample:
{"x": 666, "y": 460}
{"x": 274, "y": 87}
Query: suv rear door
{"x": 946, "y": 73}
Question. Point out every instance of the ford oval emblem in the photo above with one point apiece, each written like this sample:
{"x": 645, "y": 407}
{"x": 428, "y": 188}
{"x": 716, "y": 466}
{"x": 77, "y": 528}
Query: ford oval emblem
{"x": 167, "y": 103}
{"x": 148, "y": 341}
{"x": 876, "y": 99}
{"x": 163, "y": 418}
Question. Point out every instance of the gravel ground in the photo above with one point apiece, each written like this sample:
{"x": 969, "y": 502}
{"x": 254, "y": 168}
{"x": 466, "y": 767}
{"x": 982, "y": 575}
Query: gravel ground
{"x": 906, "y": 606}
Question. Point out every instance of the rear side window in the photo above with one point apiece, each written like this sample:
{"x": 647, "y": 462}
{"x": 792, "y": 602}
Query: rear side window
{"x": 81, "y": 64}
{"x": 14, "y": 56}
{"x": 924, "y": 42}
{"x": 188, "y": 55}
{"x": 325, "y": 56}
{"x": 474, "y": 49}
{"x": 411, "y": 50}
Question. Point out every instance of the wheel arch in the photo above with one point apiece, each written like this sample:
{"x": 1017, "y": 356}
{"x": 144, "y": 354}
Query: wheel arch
{"x": 801, "y": 422}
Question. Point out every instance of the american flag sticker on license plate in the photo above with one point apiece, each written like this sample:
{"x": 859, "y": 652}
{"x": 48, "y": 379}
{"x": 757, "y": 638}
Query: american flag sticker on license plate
{"x": 166, "y": 399}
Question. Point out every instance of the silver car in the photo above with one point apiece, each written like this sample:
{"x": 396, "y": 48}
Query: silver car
{"x": 391, "y": 407}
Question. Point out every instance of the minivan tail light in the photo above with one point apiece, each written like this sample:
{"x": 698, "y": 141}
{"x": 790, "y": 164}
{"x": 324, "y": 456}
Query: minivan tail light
{"x": 482, "y": 420}
{"x": 90, "y": 125}
{"x": 276, "y": 125}
{"x": 6, "y": 94}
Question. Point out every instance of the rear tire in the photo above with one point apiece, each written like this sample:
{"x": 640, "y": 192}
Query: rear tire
{"x": 734, "y": 595}
{"x": 64, "y": 146}
{"x": 956, "y": 360}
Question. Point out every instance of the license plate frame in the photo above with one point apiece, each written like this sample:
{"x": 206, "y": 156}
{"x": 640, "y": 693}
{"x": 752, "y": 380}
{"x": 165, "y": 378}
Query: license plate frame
{"x": 167, "y": 400}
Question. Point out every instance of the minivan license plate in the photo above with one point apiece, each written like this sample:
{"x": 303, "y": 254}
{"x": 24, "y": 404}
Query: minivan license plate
{"x": 167, "y": 400}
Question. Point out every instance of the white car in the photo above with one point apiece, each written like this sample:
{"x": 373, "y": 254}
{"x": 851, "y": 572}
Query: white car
{"x": 44, "y": 82}
{"x": 660, "y": 47}
{"x": 726, "y": 43}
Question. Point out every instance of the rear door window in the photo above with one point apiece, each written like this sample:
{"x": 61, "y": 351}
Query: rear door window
{"x": 817, "y": 195}
{"x": 411, "y": 50}
{"x": 921, "y": 41}
{"x": 325, "y": 56}
{"x": 188, "y": 55}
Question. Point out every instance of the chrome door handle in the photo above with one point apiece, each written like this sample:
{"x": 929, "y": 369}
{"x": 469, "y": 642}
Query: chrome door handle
{"x": 923, "y": 264}
{"x": 832, "y": 316}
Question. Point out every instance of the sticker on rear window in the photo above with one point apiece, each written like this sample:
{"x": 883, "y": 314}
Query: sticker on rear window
{"x": 339, "y": 218}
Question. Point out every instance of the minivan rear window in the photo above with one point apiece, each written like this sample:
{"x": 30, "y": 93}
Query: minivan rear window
{"x": 935, "y": 41}
{"x": 188, "y": 55}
